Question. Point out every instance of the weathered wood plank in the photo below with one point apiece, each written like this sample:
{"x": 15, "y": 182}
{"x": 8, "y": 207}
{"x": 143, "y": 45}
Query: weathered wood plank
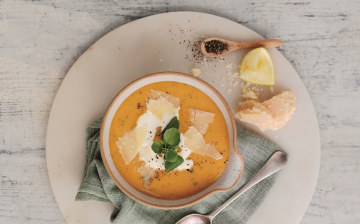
{"x": 25, "y": 192}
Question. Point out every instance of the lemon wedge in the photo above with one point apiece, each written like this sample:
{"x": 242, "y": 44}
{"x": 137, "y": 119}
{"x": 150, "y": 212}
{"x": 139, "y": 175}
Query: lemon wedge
{"x": 257, "y": 67}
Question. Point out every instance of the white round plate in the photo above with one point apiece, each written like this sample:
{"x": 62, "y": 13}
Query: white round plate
{"x": 161, "y": 43}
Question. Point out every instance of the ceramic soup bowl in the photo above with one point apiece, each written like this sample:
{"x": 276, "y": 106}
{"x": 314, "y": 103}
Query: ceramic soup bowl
{"x": 235, "y": 164}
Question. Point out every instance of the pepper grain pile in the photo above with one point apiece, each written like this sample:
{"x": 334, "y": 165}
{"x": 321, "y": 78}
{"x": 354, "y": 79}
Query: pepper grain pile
{"x": 215, "y": 46}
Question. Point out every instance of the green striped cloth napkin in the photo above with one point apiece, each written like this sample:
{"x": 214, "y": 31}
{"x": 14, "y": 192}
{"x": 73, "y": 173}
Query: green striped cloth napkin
{"x": 98, "y": 186}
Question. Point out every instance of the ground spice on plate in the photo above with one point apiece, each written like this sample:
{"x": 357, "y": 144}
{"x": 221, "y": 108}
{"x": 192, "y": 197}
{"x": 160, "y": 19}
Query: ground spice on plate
{"x": 215, "y": 46}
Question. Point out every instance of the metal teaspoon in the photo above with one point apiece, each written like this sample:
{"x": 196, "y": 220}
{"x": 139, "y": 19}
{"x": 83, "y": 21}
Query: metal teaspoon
{"x": 276, "y": 162}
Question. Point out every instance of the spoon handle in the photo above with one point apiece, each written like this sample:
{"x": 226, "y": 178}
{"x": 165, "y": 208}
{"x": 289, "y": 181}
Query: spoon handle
{"x": 275, "y": 163}
{"x": 268, "y": 43}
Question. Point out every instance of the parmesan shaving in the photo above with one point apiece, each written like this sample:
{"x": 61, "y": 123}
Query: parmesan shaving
{"x": 157, "y": 94}
{"x": 160, "y": 107}
{"x": 146, "y": 173}
{"x": 130, "y": 143}
{"x": 145, "y": 153}
{"x": 201, "y": 120}
{"x": 196, "y": 143}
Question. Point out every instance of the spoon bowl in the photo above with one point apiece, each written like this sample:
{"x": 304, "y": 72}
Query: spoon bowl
{"x": 195, "y": 219}
{"x": 229, "y": 46}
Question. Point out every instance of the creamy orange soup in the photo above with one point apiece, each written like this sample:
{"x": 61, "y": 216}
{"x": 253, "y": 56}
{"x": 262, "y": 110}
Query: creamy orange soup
{"x": 175, "y": 184}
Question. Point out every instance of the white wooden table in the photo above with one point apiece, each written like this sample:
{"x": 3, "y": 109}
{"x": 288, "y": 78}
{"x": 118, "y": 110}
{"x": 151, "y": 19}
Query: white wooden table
{"x": 40, "y": 40}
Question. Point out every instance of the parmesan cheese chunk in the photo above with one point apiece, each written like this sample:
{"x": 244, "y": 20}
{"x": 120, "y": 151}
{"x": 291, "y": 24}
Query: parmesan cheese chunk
{"x": 272, "y": 114}
{"x": 196, "y": 72}
{"x": 146, "y": 173}
{"x": 255, "y": 113}
{"x": 282, "y": 107}
{"x": 131, "y": 142}
{"x": 157, "y": 94}
{"x": 201, "y": 120}
{"x": 161, "y": 106}
{"x": 196, "y": 143}
{"x": 248, "y": 94}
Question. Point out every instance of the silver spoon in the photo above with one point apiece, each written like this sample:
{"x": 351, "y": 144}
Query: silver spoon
{"x": 277, "y": 161}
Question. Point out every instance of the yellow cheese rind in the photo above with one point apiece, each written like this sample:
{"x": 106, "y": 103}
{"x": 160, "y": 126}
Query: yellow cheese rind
{"x": 201, "y": 120}
{"x": 131, "y": 142}
{"x": 157, "y": 94}
{"x": 272, "y": 114}
{"x": 196, "y": 143}
{"x": 160, "y": 107}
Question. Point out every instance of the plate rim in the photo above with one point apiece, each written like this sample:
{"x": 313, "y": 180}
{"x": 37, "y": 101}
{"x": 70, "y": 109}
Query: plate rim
{"x": 317, "y": 146}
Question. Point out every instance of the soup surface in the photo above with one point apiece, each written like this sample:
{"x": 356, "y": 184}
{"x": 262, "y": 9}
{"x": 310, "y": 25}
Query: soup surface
{"x": 175, "y": 184}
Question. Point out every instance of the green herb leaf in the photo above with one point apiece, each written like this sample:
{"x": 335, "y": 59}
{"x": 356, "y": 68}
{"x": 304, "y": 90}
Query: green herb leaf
{"x": 171, "y": 155}
{"x": 175, "y": 147}
{"x": 172, "y": 137}
{"x": 169, "y": 166}
{"x": 158, "y": 146}
{"x": 174, "y": 123}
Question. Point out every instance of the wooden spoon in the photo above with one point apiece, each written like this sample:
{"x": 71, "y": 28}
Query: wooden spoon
{"x": 232, "y": 46}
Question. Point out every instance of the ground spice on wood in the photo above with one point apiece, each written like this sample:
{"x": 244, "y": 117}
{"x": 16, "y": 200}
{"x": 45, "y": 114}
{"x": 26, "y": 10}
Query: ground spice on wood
{"x": 215, "y": 46}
